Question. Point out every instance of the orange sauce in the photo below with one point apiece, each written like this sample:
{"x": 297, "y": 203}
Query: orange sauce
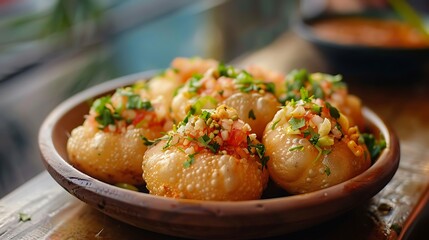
{"x": 370, "y": 32}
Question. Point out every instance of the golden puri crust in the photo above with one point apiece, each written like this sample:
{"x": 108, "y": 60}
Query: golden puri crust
{"x": 109, "y": 157}
{"x": 300, "y": 171}
{"x": 255, "y": 109}
{"x": 210, "y": 177}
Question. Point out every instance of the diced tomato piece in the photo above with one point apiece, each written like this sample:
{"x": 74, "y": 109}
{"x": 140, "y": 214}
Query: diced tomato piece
{"x": 140, "y": 116}
{"x": 236, "y": 137}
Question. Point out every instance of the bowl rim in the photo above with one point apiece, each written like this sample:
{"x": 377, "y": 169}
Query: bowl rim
{"x": 386, "y": 165}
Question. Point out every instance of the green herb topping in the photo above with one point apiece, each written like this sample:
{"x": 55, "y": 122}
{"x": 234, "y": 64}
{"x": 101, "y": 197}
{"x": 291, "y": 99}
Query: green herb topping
{"x": 251, "y": 115}
{"x": 295, "y": 148}
{"x": 190, "y": 161}
{"x": 23, "y": 217}
{"x": 375, "y": 146}
{"x": 296, "y": 123}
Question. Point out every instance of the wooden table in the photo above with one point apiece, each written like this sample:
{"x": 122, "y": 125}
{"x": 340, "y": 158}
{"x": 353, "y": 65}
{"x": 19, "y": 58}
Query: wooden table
{"x": 55, "y": 214}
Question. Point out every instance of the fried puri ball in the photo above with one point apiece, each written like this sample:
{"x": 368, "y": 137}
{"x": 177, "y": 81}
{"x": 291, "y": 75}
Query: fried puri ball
{"x": 268, "y": 75}
{"x": 253, "y": 99}
{"x": 212, "y": 155}
{"x": 110, "y": 144}
{"x": 180, "y": 70}
{"x": 330, "y": 88}
{"x": 311, "y": 146}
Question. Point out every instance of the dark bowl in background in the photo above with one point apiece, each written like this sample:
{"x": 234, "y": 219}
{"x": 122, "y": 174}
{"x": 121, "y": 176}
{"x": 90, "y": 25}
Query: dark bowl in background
{"x": 365, "y": 62}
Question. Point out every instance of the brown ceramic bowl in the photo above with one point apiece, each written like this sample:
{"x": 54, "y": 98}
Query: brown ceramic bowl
{"x": 275, "y": 214}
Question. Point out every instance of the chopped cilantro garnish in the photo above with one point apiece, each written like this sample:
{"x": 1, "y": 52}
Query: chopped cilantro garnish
{"x": 251, "y": 114}
{"x": 168, "y": 144}
{"x": 304, "y": 94}
{"x": 317, "y": 91}
{"x": 326, "y": 151}
{"x": 23, "y": 217}
{"x": 273, "y": 126}
{"x": 226, "y": 71}
{"x": 135, "y": 102}
{"x": 296, "y": 79}
{"x": 314, "y": 137}
{"x": 264, "y": 161}
{"x": 374, "y": 146}
{"x": 203, "y": 102}
{"x": 296, "y": 123}
{"x": 260, "y": 150}
{"x": 246, "y": 83}
{"x": 316, "y": 108}
{"x": 100, "y": 104}
{"x": 205, "y": 115}
{"x": 189, "y": 161}
{"x": 270, "y": 87}
{"x": 319, "y": 152}
{"x": 333, "y": 111}
{"x": 105, "y": 118}
{"x": 194, "y": 84}
{"x": 298, "y": 147}
{"x": 206, "y": 142}
{"x": 327, "y": 171}
{"x": 148, "y": 142}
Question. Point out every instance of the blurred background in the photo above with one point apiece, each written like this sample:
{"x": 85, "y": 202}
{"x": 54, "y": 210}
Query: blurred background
{"x": 52, "y": 49}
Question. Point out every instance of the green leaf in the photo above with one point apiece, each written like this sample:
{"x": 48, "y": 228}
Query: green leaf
{"x": 333, "y": 111}
{"x": 316, "y": 109}
{"x": 251, "y": 115}
{"x": 314, "y": 137}
{"x": 100, "y": 104}
{"x": 148, "y": 142}
{"x": 273, "y": 126}
{"x": 264, "y": 161}
{"x": 327, "y": 171}
{"x": 298, "y": 147}
{"x": 205, "y": 115}
{"x": 202, "y": 102}
{"x": 135, "y": 102}
{"x": 190, "y": 161}
{"x": 270, "y": 87}
{"x": 105, "y": 118}
{"x": 374, "y": 146}
{"x": 23, "y": 217}
{"x": 296, "y": 123}
{"x": 296, "y": 79}
{"x": 318, "y": 91}
{"x": 194, "y": 84}
{"x": 260, "y": 149}
{"x": 326, "y": 151}
{"x": 227, "y": 71}
{"x": 304, "y": 94}
{"x": 168, "y": 144}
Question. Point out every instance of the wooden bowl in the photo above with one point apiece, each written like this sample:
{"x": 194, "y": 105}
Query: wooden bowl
{"x": 273, "y": 215}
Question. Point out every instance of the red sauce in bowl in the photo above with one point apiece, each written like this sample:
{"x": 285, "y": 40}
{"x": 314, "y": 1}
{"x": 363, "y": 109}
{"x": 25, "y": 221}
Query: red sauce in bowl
{"x": 370, "y": 32}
